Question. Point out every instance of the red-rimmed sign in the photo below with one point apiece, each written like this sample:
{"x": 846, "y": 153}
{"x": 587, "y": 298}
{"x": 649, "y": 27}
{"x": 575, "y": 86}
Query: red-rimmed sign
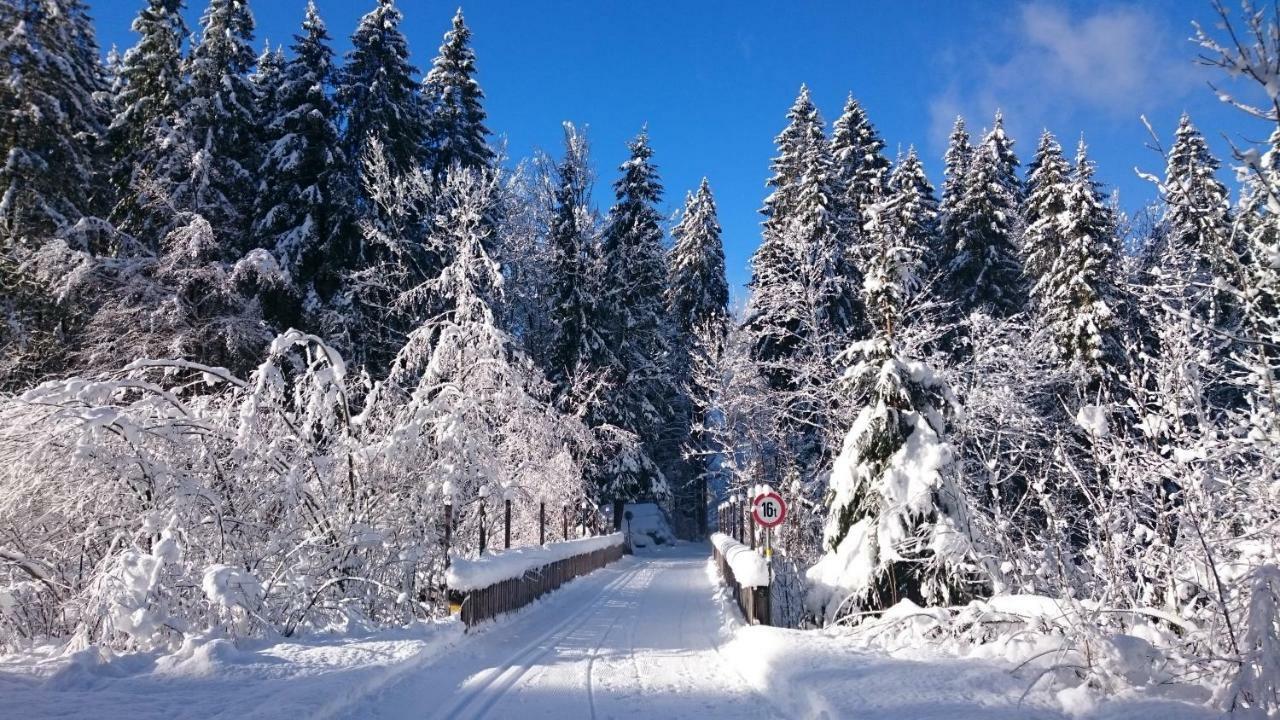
{"x": 769, "y": 509}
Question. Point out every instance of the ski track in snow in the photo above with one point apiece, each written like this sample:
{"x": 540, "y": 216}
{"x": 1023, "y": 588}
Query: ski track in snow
{"x": 637, "y": 639}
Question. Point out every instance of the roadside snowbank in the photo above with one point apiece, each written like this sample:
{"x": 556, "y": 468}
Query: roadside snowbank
{"x": 896, "y": 673}
{"x": 492, "y": 569}
{"x": 749, "y": 568}
{"x": 316, "y": 677}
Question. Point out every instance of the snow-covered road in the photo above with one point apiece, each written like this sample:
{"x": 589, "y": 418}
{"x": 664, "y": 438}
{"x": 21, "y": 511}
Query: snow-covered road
{"x": 639, "y": 639}
{"x": 651, "y": 636}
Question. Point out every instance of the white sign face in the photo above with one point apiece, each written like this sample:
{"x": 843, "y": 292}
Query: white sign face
{"x": 769, "y": 509}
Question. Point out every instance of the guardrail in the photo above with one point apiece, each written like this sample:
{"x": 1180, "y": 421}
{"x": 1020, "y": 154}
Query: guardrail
{"x": 507, "y": 595}
{"x": 749, "y": 584}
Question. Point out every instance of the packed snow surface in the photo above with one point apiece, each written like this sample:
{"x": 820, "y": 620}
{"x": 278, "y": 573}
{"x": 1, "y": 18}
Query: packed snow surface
{"x": 749, "y": 568}
{"x": 651, "y": 636}
{"x": 497, "y": 567}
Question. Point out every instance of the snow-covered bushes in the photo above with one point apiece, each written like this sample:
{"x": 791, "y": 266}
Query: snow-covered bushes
{"x": 172, "y": 498}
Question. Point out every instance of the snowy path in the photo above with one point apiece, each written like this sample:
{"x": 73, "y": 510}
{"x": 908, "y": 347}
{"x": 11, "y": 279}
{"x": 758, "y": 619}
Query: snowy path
{"x": 650, "y": 636}
{"x": 637, "y": 639}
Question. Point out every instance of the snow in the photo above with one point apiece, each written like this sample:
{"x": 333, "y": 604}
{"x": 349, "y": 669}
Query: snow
{"x": 651, "y": 636}
{"x": 749, "y": 568}
{"x": 648, "y": 525}
{"x": 492, "y": 569}
{"x": 1093, "y": 418}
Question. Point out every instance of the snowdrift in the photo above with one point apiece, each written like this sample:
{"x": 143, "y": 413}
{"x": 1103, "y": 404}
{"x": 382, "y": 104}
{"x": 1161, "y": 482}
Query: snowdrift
{"x": 749, "y": 568}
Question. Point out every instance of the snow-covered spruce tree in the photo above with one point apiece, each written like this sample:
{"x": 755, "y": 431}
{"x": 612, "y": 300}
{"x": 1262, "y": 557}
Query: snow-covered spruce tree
{"x": 955, "y": 168}
{"x": 644, "y": 402}
{"x": 911, "y": 211}
{"x": 378, "y": 95}
{"x": 801, "y": 309}
{"x": 267, "y": 76}
{"x": 577, "y": 344}
{"x": 983, "y": 270}
{"x": 51, "y": 120}
{"x": 453, "y": 100}
{"x": 148, "y": 94}
{"x": 210, "y": 161}
{"x": 1048, "y": 180}
{"x": 860, "y": 173}
{"x": 698, "y": 305}
{"x": 897, "y": 527}
{"x": 1078, "y": 296}
{"x": 478, "y": 412}
{"x": 304, "y": 202}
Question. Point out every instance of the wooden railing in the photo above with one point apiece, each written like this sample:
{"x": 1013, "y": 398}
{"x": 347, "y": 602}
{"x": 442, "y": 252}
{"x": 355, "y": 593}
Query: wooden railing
{"x": 753, "y": 601}
{"x": 509, "y": 595}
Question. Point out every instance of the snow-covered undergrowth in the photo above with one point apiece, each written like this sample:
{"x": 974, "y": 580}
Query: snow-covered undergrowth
{"x": 481, "y": 572}
{"x": 171, "y": 500}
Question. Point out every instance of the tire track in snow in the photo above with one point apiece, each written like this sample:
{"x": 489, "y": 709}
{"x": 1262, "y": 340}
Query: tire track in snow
{"x": 518, "y": 664}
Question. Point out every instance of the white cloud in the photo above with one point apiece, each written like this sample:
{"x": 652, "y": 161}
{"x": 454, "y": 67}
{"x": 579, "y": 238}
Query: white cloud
{"x": 1048, "y": 64}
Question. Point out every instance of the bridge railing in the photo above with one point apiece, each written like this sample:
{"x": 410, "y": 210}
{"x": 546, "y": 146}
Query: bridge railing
{"x": 507, "y": 581}
{"x": 746, "y": 574}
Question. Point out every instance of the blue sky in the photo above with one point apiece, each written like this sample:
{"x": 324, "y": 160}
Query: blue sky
{"x": 714, "y": 79}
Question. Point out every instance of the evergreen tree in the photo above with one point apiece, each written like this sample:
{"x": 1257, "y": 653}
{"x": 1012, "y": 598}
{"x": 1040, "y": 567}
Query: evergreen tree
{"x": 698, "y": 305}
{"x": 378, "y": 95}
{"x": 983, "y": 272}
{"x": 213, "y": 163}
{"x": 577, "y": 344}
{"x": 803, "y": 310}
{"x": 1048, "y": 182}
{"x": 456, "y": 132}
{"x": 861, "y": 177}
{"x": 956, "y": 167}
{"x": 897, "y": 525}
{"x": 149, "y": 92}
{"x": 697, "y": 292}
{"x": 634, "y": 319}
{"x": 50, "y": 119}
{"x": 911, "y": 211}
{"x": 1199, "y": 246}
{"x": 303, "y": 212}
{"x": 266, "y": 79}
{"x": 1079, "y": 299}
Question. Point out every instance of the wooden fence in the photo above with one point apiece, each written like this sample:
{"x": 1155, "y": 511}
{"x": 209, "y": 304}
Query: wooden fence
{"x": 508, "y": 595}
{"x": 753, "y": 601}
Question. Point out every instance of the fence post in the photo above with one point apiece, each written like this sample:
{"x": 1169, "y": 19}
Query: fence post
{"x": 448, "y": 530}
{"x": 565, "y": 516}
{"x": 542, "y": 522}
{"x": 484, "y": 493}
{"x": 506, "y": 530}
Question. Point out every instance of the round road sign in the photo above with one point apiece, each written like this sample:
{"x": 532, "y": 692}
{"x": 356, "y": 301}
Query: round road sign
{"x": 769, "y": 509}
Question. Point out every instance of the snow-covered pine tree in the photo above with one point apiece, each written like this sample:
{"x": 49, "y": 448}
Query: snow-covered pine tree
{"x": 212, "y": 164}
{"x": 984, "y": 272}
{"x": 1048, "y": 180}
{"x": 1199, "y": 243}
{"x": 634, "y": 321}
{"x": 453, "y": 100}
{"x": 955, "y": 167}
{"x": 51, "y": 120}
{"x": 303, "y": 212}
{"x": 1078, "y": 294}
{"x": 378, "y": 95}
{"x": 267, "y": 76}
{"x": 801, "y": 309}
{"x": 860, "y": 173}
{"x": 149, "y": 92}
{"x": 911, "y": 210}
{"x": 897, "y": 528}
{"x": 577, "y": 344}
{"x": 698, "y": 305}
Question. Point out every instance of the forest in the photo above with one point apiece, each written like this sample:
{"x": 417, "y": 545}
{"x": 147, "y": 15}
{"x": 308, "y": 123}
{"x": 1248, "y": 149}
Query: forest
{"x": 265, "y": 314}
